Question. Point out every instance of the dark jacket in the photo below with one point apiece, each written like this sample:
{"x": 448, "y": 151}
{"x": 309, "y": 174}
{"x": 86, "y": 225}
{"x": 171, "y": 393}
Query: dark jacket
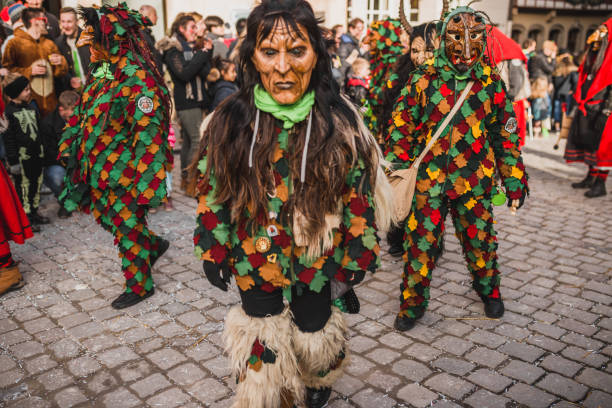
{"x": 63, "y": 83}
{"x": 539, "y": 65}
{"x": 221, "y": 90}
{"x": 188, "y": 70}
{"x": 53, "y": 27}
{"x": 356, "y": 89}
{"x": 565, "y": 85}
{"x": 348, "y": 44}
{"x": 51, "y": 129}
{"x": 22, "y": 132}
{"x": 157, "y": 56}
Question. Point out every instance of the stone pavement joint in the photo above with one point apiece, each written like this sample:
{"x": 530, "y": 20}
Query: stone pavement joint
{"x": 62, "y": 345}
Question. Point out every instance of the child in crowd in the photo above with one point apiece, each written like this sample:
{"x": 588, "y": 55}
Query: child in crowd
{"x": 51, "y": 130}
{"x": 222, "y": 80}
{"x": 540, "y": 107}
{"x": 24, "y": 149}
{"x": 356, "y": 87}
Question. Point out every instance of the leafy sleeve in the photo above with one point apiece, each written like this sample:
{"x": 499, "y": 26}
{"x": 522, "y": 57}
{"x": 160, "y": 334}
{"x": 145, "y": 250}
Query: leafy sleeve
{"x": 360, "y": 244}
{"x": 502, "y": 128}
{"x": 402, "y": 132}
{"x": 212, "y": 234}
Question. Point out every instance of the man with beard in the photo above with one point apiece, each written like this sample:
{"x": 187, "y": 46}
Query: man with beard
{"x": 457, "y": 174}
{"x": 37, "y": 58}
{"x": 291, "y": 195}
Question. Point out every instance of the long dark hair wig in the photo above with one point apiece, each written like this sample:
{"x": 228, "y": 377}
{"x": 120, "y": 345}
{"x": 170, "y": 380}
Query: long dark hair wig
{"x": 227, "y": 138}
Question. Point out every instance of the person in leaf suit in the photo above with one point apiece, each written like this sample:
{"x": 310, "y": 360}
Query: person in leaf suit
{"x": 291, "y": 195}
{"x": 116, "y": 145}
{"x": 457, "y": 174}
{"x": 423, "y": 42}
{"x": 590, "y": 138}
{"x": 385, "y": 40}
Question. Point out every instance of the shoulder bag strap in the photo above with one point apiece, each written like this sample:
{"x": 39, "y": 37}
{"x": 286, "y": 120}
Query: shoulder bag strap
{"x": 445, "y": 123}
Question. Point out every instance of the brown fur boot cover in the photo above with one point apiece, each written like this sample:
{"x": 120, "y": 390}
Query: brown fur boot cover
{"x": 10, "y": 279}
{"x": 262, "y": 359}
{"x": 322, "y": 355}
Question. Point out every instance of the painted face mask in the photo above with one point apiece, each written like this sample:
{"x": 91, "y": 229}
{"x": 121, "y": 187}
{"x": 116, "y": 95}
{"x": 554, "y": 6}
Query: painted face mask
{"x": 464, "y": 39}
{"x": 285, "y": 60}
{"x": 420, "y": 51}
{"x": 597, "y": 36}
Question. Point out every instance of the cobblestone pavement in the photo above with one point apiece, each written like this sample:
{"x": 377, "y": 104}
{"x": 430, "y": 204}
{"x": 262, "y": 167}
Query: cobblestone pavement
{"x": 62, "y": 345}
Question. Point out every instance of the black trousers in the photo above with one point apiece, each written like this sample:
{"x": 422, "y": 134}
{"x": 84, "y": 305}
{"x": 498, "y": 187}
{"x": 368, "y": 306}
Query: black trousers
{"x": 311, "y": 310}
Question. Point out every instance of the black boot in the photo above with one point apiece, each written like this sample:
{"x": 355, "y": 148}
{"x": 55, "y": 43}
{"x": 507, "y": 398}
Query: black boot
{"x": 494, "y": 307}
{"x": 598, "y": 189}
{"x": 63, "y": 213}
{"x": 586, "y": 183}
{"x": 395, "y": 238}
{"x": 317, "y": 398}
{"x": 129, "y": 299}
{"x": 38, "y": 219}
{"x": 405, "y": 323}
{"x": 161, "y": 249}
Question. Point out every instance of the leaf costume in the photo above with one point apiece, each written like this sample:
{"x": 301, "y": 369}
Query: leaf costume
{"x": 116, "y": 144}
{"x": 382, "y": 64}
{"x": 458, "y": 173}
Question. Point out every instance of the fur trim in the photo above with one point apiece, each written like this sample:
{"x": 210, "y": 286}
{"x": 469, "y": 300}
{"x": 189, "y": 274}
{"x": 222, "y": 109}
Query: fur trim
{"x": 318, "y": 351}
{"x": 323, "y": 240}
{"x": 213, "y": 75}
{"x": 263, "y": 388}
{"x": 167, "y": 43}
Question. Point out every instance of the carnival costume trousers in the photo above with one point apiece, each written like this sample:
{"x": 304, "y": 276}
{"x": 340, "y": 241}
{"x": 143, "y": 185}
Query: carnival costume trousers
{"x": 277, "y": 351}
{"x": 28, "y": 183}
{"x": 117, "y": 212}
{"x": 423, "y": 245}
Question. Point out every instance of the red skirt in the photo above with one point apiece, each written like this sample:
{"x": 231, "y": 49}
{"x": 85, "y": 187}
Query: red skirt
{"x": 521, "y": 118}
{"x": 14, "y": 224}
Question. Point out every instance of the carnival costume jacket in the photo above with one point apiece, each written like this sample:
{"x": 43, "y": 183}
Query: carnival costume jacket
{"x": 382, "y": 64}
{"x": 457, "y": 174}
{"x": 284, "y": 264}
{"x": 116, "y": 145}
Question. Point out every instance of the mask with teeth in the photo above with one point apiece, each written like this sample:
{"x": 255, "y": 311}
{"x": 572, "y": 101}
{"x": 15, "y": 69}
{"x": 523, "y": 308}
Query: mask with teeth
{"x": 464, "y": 39}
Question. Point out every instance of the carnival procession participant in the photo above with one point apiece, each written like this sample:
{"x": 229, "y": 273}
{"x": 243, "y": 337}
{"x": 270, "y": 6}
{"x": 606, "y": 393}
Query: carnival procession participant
{"x": 384, "y": 38}
{"x": 116, "y": 145}
{"x": 291, "y": 197}
{"x": 423, "y": 42}
{"x": 590, "y": 138}
{"x": 457, "y": 173}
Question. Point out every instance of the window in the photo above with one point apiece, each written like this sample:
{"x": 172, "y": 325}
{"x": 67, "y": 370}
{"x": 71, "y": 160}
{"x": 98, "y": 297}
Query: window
{"x": 374, "y": 10}
{"x": 573, "y": 36}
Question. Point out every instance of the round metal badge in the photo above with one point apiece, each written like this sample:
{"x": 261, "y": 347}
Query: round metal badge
{"x": 145, "y": 104}
{"x": 263, "y": 244}
{"x": 511, "y": 125}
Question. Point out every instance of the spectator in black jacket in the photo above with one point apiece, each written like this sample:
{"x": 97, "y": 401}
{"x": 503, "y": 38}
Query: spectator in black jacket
{"x": 51, "y": 129}
{"x": 53, "y": 28}
{"x": 188, "y": 69}
{"x": 78, "y": 57}
{"x": 543, "y": 63}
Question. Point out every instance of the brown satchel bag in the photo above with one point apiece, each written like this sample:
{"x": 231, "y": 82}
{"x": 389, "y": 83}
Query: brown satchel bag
{"x": 403, "y": 182}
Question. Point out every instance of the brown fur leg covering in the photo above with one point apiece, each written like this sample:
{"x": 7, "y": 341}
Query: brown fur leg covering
{"x": 261, "y": 384}
{"x": 322, "y": 355}
{"x": 9, "y": 279}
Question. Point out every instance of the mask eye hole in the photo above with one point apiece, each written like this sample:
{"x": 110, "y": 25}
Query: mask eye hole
{"x": 474, "y": 36}
{"x": 457, "y": 19}
{"x": 457, "y": 37}
{"x": 479, "y": 19}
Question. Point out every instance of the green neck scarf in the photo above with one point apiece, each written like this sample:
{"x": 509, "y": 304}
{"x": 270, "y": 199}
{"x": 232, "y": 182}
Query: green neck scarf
{"x": 289, "y": 114}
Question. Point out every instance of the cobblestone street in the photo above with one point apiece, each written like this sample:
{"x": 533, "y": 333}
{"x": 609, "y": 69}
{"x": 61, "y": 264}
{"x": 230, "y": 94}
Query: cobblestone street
{"x": 61, "y": 344}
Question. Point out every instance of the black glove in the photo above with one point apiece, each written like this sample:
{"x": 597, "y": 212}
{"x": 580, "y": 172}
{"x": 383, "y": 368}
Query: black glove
{"x": 521, "y": 200}
{"x": 354, "y": 277}
{"x": 217, "y": 274}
